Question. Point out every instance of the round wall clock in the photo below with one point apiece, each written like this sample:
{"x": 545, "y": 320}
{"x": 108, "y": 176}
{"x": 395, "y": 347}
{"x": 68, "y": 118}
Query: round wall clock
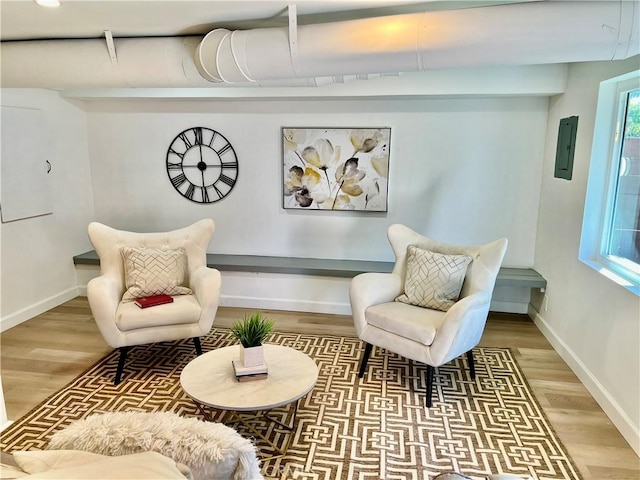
{"x": 202, "y": 165}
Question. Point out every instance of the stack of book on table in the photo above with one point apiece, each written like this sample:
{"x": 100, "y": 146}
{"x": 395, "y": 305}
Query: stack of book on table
{"x": 245, "y": 374}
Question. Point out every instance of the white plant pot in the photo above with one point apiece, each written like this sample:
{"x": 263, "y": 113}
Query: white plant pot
{"x": 252, "y": 356}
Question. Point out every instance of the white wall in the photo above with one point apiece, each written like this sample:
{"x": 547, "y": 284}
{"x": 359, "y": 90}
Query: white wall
{"x": 593, "y": 322}
{"x": 37, "y": 267}
{"x": 462, "y": 170}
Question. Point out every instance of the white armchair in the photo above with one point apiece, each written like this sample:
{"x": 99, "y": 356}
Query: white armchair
{"x": 191, "y": 314}
{"x": 426, "y": 335}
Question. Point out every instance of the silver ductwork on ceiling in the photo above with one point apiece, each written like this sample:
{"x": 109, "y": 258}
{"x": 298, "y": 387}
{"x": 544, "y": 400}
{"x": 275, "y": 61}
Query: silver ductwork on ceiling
{"x": 516, "y": 34}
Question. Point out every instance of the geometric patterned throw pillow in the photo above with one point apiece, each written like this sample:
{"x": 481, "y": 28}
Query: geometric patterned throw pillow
{"x": 433, "y": 280}
{"x": 151, "y": 271}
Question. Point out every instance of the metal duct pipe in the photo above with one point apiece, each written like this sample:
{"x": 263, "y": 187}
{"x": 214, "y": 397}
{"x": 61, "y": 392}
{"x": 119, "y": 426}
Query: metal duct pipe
{"x": 515, "y": 34}
{"x": 312, "y": 55}
{"x": 141, "y": 62}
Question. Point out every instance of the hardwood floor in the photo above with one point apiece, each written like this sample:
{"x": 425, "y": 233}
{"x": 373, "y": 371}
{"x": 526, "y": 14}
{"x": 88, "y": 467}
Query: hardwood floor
{"x": 43, "y": 354}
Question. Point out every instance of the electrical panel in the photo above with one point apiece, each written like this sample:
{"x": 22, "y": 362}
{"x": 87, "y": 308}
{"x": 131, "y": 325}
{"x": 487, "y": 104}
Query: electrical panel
{"x": 566, "y": 147}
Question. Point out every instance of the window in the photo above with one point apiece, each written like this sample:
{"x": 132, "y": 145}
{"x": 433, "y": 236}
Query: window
{"x": 611, "y": 228}
{"x": 623, "y": 245}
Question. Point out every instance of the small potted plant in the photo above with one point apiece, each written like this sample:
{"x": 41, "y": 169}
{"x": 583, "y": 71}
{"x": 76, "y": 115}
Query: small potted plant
{"x": 251, "y": 331}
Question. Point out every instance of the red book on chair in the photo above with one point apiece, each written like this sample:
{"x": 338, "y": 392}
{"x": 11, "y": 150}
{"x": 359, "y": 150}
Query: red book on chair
{"x": 145, "y": 302}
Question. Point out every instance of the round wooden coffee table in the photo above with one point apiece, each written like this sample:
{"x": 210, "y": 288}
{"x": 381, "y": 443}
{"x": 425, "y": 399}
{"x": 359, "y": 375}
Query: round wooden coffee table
{"x": 210, "y": 382}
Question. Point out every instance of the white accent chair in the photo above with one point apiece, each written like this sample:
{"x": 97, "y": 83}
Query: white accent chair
{"x": 124, "y": 324}
{"x": 428, "y": 336}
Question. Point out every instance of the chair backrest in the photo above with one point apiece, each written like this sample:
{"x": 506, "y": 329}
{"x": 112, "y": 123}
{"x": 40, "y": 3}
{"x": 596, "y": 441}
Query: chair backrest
{"x": 481, "y": 272}
{"x": 108, "y": 242}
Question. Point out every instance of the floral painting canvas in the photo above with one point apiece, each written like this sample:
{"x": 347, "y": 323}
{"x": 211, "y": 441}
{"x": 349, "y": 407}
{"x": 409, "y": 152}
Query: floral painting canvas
{"x": 336, "y": 168}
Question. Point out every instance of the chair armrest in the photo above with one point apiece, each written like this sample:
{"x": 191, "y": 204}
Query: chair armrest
{"x": 467, "y": 303}
{"x": 205, "y": 283}
{"x": 368, "y": 289}
{"x": 104, "y": 294}
{"x": 461, "y": 328}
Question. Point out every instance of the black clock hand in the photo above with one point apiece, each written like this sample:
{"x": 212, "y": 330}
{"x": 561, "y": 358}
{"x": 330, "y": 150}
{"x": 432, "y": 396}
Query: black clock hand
{"x": 201, "y": 166}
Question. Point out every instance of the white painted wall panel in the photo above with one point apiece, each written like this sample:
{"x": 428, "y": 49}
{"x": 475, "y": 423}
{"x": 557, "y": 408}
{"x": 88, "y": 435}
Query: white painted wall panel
{"x": 593, "y": 322}
{"x": 26, "y": 184}
{"x": 462, "y": 170}
{"x": 37, "y": 267}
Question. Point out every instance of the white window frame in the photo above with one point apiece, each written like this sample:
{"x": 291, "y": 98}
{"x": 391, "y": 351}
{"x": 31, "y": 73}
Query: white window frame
{"x": 601, "y": 187}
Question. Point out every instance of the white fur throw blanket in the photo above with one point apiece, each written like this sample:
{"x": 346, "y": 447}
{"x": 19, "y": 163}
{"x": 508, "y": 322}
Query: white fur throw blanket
{"x": 211, "y": 450}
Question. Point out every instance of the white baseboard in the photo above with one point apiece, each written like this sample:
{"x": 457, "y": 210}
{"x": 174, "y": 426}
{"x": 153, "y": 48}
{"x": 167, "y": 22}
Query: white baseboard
{"x": 618, "y": 417}
{"x": 5, "y": 425}
{"x": 16, "y": 318}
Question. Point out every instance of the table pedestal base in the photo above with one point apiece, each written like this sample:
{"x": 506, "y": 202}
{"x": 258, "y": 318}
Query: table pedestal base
{"x": 245, "y": 420}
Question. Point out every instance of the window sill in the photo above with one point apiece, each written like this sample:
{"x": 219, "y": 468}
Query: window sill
{"x": 617, "y": 278}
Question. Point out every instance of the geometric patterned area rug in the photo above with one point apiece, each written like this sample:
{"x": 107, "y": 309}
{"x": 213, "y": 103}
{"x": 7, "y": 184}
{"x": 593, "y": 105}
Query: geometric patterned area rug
{"x": 347, "y": 428}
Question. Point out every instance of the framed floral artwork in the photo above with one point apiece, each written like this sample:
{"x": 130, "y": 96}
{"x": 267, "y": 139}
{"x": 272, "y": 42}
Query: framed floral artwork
{"x": 336, "y": 168}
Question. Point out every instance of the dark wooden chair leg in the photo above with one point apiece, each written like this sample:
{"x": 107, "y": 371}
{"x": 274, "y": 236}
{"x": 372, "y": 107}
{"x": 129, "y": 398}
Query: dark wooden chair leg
{"x": 472, "y": 366}
{"x": 365, "y": 359}
{"x": 121, "y": 360}
{"x": 198, "y": 345}
{"x": 430, "y": 373}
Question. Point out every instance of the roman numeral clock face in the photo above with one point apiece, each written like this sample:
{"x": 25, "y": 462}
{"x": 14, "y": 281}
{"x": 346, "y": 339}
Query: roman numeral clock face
{"x": 202, "y": 165}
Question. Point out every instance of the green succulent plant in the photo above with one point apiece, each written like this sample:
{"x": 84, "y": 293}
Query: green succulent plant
{"x": 252, "y": 330}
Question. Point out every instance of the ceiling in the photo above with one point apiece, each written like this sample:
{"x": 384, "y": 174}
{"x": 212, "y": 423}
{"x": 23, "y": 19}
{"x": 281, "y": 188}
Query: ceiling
{"x": 271, "y": 43}
{"x": 25, "y": 20}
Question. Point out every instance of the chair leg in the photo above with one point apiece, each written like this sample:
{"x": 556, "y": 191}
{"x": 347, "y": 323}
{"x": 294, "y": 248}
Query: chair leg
{"x": 365, "y": 359}
{"x": 121, "y": 360}
{"x": 430, "y": 372}
{"x": 196, "y": 343}
{"x": 472, "y": 367}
